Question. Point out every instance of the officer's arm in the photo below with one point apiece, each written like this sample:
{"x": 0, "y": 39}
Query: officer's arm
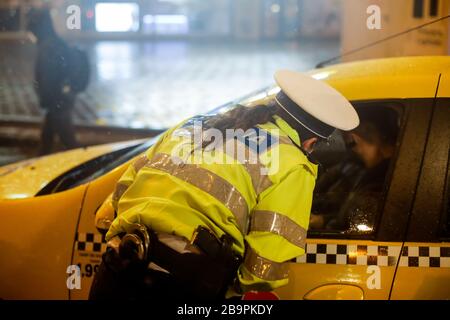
{"x": 129, "y": 176}
{"x": 277, "y": 231}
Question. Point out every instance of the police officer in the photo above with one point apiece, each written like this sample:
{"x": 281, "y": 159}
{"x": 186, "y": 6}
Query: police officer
{"x": 196, "y": 219}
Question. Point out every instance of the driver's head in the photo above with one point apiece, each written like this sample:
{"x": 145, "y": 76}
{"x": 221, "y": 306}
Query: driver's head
{"x": 373, "y": 141}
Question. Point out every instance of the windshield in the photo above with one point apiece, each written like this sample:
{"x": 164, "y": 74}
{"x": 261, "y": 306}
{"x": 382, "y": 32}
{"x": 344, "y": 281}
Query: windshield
{"x": 93, "y": 168}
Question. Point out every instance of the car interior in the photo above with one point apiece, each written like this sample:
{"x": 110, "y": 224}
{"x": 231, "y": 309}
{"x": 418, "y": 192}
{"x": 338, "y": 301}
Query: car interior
{"x": 353, "y": 171}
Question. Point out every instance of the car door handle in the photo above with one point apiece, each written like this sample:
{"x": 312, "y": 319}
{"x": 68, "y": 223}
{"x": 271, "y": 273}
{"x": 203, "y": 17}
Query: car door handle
{"x": 335, "y": 292}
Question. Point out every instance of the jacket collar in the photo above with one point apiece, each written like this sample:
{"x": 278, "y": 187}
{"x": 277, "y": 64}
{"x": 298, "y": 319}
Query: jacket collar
{"x": 288, "y": 130}
{"x": 293, "y": 135}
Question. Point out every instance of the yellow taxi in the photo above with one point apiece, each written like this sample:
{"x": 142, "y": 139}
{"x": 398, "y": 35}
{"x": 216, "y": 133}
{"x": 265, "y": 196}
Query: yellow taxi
{"x": 394, "y": 245}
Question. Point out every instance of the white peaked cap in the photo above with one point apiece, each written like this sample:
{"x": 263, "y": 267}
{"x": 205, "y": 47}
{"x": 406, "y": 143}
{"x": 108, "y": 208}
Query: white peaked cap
{"x": 318, "y": 99}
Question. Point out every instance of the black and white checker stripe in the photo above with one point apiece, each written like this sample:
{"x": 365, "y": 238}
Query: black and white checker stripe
{"x": 422, "y": 256}
{"x": 343, "y": 254}
{"x": 338, "y": 254}
{"x": 90, "y": 242}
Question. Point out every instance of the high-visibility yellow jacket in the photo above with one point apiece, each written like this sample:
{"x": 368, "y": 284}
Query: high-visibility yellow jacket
{"x": 264, "y": 204}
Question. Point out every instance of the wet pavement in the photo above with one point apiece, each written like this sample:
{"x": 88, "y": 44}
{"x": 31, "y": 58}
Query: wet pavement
{"x": 154, "y": 84}
{"x": 157, "y": 84}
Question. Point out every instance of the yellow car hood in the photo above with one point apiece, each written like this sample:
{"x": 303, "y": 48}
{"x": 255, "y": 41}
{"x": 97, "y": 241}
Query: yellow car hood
{"x": 24, "y": 179}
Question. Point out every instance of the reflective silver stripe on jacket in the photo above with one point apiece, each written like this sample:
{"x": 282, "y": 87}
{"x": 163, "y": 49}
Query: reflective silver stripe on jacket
{"x": 269, "y": 221}
{"x": 264, "y": 268}
{"x": 208, "y": 182}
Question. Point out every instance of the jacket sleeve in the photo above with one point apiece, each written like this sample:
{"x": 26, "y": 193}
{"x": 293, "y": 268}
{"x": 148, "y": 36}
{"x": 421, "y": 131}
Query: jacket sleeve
{"x": 129, "y": 175}
{"x": 277, "y": 232}
{"x": 127, "y": 179}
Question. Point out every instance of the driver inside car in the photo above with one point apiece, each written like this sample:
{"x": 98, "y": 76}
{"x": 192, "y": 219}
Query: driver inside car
{"x": 359, "y": 178}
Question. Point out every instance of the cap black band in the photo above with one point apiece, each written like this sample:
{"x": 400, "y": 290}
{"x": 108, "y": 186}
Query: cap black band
{"x": 314, "y": 125}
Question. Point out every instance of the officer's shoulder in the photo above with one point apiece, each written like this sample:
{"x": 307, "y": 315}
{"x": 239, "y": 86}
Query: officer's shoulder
{"x": 297, "y": 160}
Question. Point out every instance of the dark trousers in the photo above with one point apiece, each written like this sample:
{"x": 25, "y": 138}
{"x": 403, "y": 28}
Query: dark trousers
{"x": 118, "y": 279}
{"x": 121, "y": 279}
{"x": 58, "y": 121}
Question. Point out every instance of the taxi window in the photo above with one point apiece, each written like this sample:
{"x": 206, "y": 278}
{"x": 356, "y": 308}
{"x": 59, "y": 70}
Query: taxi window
{"x": 354, "y": 171}
{"x": 446, "y": 207}
{"x": 446, "y": 211}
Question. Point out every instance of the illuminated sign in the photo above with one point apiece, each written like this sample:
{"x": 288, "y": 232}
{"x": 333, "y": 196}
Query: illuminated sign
{"x": 117, "y": 17}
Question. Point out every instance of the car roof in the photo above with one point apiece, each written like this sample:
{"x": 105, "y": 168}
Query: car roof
{"x": 396, "y": 78}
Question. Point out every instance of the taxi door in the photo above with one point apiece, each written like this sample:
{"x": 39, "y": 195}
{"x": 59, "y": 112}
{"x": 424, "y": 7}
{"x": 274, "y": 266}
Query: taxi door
{"x": 362, "y": 264}
{"x": 90, "y": 244}
{"x": 424, "y": 266}
{"x": 35, "y": 243}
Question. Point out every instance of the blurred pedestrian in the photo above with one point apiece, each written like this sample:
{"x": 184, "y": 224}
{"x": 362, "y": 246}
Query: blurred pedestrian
{"x": 61, "y": 72}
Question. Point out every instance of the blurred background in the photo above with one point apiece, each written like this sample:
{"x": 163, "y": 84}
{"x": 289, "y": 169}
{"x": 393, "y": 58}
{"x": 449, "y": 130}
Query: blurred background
{"x": 157, "y": 62}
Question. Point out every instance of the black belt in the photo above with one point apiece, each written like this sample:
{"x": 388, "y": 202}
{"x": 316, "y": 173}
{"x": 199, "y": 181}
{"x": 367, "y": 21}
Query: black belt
{"x": 208, "y": 274}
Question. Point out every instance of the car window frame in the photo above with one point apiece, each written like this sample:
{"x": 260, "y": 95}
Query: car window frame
{"x": 398, "y": 205}
{"x": 432, "y": 188}
{"x": 444, "y": 233}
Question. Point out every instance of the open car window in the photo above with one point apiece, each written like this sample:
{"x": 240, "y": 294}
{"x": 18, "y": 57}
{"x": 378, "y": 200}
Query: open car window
{"x": 354, "y": 172}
